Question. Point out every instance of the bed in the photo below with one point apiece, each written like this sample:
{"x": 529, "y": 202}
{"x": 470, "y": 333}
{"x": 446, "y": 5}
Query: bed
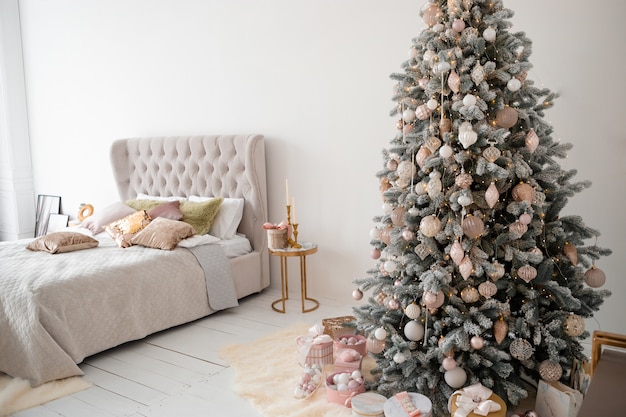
{"x": 57, "y": 309}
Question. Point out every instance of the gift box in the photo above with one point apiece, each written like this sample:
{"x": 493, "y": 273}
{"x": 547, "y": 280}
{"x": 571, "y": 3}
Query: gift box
{"x": 337, "y": 394}
{"x": 337, "y": 326}
{"x": 368, "y": 404}
{"x": 315, "y": 350}
{"x": 350, "y": 341}
{"x": 348, "y": 360}
{"x": 393, "y": 407}
{"x": 476, "y": 401}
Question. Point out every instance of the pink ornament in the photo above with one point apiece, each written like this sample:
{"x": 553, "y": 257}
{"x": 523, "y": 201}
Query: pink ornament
{"x": 458, "y": 25}
{"x": 407, "y": 235}
{"x": 393, "y": 304}
{"x": 492, "y": 195}
{"x": 449, "y": 363}
{"x": 466, "y": 267}
{"x": 454, "y": 81}
{"x": 525, "y": 219}
{"x": 532, "y": 141}
{"x": 375, "y": 253}
{"x": 527, "y": 273}
{"x": 357, "y": 294}
{"x": 456, "y": 252}
{"x": 477, "y": 342}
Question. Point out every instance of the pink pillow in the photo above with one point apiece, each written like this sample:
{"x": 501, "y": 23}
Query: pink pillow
{"x": 169, "y": 210}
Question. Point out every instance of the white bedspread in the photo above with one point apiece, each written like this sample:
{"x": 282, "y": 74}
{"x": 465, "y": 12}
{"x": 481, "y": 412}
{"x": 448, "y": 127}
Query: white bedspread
{"x": 55, "y": 310}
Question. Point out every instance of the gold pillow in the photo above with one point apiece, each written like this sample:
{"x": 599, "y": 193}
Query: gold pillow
{"x": 163, "y": 233}
{"x": 59, "y": 242}
{"x": 200, "y": 215}
{"x": 122, "y": 230}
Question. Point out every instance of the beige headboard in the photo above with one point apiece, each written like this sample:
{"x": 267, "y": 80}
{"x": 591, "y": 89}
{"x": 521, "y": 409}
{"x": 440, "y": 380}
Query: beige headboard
{"x": 210, "y": 166}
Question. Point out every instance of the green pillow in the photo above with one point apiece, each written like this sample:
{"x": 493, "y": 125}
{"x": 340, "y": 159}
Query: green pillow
{"x": 146, "y": 205}
{"x": 200, "y": 215}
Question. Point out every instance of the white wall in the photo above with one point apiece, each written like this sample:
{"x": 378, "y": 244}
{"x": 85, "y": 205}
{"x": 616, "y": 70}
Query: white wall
{"x": 313, "y": 77}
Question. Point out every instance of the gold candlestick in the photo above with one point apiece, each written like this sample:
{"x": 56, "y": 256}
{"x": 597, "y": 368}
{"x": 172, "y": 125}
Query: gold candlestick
{"x": 295, "y": 243}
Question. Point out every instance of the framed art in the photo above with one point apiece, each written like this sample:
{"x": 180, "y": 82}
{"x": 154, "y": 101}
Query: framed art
{"x": 46, "y": 205}
{"x": 57, "y": 222}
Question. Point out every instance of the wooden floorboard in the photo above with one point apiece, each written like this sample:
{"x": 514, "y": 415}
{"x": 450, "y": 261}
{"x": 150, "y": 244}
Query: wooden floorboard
{"x": 179, "y": 372}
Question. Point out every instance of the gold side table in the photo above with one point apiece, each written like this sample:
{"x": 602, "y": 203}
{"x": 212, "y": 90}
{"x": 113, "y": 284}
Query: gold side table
{"x": 284, "y": 254}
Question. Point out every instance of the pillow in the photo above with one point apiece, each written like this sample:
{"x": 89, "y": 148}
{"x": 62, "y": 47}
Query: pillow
{"x": 146, "y": 205}
{"x": 142, "y": 196}
{"x": 197, "y": 240}
{"x": 100, "y": 218}
{"x": 200, "y": 215}
{"x": 169, "y": 210}
{"x": 59, "y": 242}
{"x": 162, "y": 233}
{"x": 228, "y": 217}
{"x": 123, "y": 229}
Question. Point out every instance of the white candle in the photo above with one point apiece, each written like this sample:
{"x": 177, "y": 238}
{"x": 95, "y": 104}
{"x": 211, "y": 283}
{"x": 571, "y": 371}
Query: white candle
{"x": 293, "y": 205}
{"x": 286, "y": 192}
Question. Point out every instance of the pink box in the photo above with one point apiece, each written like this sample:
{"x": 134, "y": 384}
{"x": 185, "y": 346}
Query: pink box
{"x": 316, "y": 353}
{"x": 359, "y": 343}
{"x": 348, "y": 360}
{"x": 341, "y": 397}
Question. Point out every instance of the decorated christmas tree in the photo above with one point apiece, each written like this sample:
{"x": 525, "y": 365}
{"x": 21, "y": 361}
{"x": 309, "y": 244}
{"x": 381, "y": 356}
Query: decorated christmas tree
{"x": 478, "y": 275}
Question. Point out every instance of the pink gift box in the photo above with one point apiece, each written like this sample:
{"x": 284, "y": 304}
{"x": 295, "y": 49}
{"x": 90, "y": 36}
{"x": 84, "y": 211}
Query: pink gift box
{"x": 312, "y": 352}
{"x": 359, "y": 343}
{"x": 341, "y": 397}
{"x": 348, "y": 360}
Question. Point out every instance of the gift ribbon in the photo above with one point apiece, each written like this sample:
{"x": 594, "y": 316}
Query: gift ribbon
{"x": 315, "y": 337}
{"x": 473, "y": 399}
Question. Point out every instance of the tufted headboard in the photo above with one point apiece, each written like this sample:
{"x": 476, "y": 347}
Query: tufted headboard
{"x": 210, "y": 166}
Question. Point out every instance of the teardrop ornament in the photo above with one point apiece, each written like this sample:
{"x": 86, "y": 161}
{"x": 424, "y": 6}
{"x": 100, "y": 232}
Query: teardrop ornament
{"x": 466, "y": 267}
{"x": 456, "y": 252}
{"x": 532, "y": 141}
{"x": 454, "y": 81}
{"x": 492, "y": 195}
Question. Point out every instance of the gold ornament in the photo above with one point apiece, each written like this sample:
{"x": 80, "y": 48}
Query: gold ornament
{"x": 473, "y": 226}
{"x": 521, "y": 349}
{"x": 432, "y": 143}
{"x": 487, "y": 289}
{"x": 527, "y": 273}
{"x": 595, "y": 277}
{"x": 507, "y": 117}
{"x": 498, "y": 271}
{"x": 492, "y": 195}
{"x": 470, "y": 294}
{"x": 422, "y": 155}
{"x": 571, "y": 253}
{"x": 445, "y": 125}
{"x": 523, "y": 192}
{"x": 518, "y": 229}
{"x": 422, "y": 251}
{"x": 550, "y": 371}
{"x": 491, "y": 153}
{"x": 500, "y": 329}
{"x": 464, "y": 180}
{"x": 574, "y": 325}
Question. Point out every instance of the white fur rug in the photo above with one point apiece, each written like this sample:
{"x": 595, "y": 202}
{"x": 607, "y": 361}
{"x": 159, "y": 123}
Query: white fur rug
{"x": 16, "y": 394}
{"x": 266, "y": 373}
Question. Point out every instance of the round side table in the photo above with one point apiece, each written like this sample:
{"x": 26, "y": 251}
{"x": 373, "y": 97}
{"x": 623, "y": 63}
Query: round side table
{"x": 308, "y": 248}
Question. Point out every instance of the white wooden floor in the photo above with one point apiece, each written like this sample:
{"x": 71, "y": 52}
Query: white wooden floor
{"x": 178, "y": 372}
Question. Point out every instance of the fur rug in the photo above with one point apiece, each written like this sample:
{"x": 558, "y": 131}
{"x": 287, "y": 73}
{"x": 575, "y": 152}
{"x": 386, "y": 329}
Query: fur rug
{"x": 16, "y": 394}
{"x": 267, "y": 371}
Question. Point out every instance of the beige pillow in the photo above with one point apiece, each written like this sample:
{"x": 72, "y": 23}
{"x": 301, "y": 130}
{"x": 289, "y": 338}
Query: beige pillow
{"x": 123, "y": 229}
{"x": 59, "y": 242}
{"x": 200, "y": 215}
{"x": 163, "y": 233}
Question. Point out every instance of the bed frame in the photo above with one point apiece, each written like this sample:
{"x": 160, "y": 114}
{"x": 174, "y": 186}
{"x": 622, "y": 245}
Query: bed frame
{"x": 210, "y": 166}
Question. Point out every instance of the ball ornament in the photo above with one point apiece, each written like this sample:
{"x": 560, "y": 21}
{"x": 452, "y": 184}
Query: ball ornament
{"x": 595, "y": 277}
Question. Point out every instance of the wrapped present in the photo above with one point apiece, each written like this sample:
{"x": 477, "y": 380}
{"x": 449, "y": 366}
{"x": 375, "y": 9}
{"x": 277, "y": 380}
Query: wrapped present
{"x": 315, "y": 348}
{"x": 368, "y": 404}
{"x": 337, "y": 326}
{"x": 474, "y": 401}
{"x": 555, "y": 399}
{"x": 350, "y": 341}
{"x": 348, "y": 360}
{"x": 397, "y": 405}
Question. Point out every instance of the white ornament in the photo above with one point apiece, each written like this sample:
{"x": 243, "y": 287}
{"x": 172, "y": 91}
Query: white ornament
{"x": 408, "y": 115}
{"x": 478, "y": 74}
{"x": 412, "y": 311}
{"x": 399, "y": 357}
{"x": 375, "y": 233}
{"x": 469, "y": 100}
{"x": 532, "y": 140}
{"x": 489, "y": 34}
{"x": 468, "y": 137}
{"x": 430, "y": 225}
{"x": 432, "y": 104}
{"x": 406, "y": 170}
{"x": 412, "y": 53}
{"x": 422, "y": 112}
{"x": 434, "y": 184}
{"x": 442, "y": 67}
{"x": 455, "y": 377}
{"x": 439, "y": 27}
{"x": 390, "y": 266}
{"x": 387, "y": 208}
{"x": 414, "y": 331}
{"x": 514, "y": 84}
{"x": 380, "y": 333}
{"x": 429, "y": 56}
{"x": 446, "y": 151}
{"x": 465, "y": 200}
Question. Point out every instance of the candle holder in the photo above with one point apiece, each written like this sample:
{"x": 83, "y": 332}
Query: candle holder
{"x": 292, "y": 243}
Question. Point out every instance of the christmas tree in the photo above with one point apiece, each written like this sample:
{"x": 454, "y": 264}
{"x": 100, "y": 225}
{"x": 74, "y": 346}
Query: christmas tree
{"x": 478, "y": 277}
